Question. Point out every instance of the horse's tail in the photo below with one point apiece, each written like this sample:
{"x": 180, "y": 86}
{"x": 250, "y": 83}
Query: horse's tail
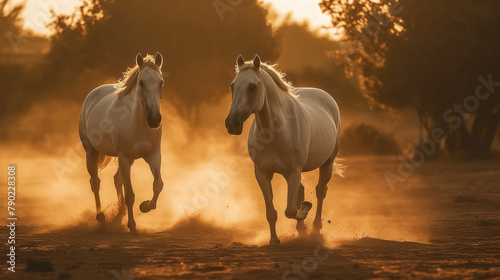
{"x": 339, "y": 168}
{"x": 103, "y": 161}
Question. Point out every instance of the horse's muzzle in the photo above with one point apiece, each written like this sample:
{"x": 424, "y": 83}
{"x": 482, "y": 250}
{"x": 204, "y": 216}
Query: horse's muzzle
{"x": 154, "y": 122}
{"x": 234, "y": 126}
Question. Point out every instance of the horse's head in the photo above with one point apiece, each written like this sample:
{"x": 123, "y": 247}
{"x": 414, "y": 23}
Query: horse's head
{"x": 150, "y": 84}
{"x": 248, "y": 94}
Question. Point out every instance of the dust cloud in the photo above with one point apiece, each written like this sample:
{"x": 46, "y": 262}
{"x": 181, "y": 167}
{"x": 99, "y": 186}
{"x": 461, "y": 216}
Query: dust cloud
{"x": 208, "y": 179}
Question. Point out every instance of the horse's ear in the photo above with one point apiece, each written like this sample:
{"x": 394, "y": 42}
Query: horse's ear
{"x": 138, "y": 60}
{"x": 256, "y": 62}
{"x": 240, "y": 61}
{"x": 159, "y": 59}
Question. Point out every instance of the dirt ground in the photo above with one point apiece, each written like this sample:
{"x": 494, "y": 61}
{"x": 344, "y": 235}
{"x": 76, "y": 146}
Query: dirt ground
{"x": 442, "y": 222}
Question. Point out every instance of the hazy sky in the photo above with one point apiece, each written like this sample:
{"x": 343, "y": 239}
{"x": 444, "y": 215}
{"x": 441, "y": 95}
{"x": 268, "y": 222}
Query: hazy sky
{"x": 37, "y": 12}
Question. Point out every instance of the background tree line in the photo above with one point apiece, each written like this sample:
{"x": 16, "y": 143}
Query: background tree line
{"x": 101, "y": 38}
{"x": 401, "y": 54}
{"x": 427, "y": 55}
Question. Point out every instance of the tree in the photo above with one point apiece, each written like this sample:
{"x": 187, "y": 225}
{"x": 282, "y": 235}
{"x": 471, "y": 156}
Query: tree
{"x": 430, "y": 56}
{"x": 199, "y": 46}
{"x": 9, "y": 22}
{"x": 10, "y": 73}
{"x": 305, "y": 60}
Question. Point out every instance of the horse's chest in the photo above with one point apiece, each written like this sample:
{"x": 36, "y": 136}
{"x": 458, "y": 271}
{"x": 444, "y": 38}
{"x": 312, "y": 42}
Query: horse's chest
{"x": 139, "y": 146}
{"x": 140, "y": 149}
{"x": 275, "y": 156}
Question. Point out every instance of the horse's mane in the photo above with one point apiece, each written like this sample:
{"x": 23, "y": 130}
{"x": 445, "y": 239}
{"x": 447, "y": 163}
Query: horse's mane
{"x": 129, "y": 79}
{"x": 277, "y": 76}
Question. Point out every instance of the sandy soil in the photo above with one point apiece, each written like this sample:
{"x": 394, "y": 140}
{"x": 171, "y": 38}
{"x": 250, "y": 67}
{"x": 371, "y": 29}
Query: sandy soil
{"x": 441, "y": 222}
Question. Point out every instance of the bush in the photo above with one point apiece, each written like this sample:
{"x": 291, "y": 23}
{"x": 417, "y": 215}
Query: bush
{"x": 365, "y": 139}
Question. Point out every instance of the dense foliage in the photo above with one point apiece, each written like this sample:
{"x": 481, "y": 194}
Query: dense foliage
{"x": 428, "y": 55}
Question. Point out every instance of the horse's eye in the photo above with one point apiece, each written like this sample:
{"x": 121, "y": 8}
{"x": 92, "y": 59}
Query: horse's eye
{"x": 252, "y": 86}
{"x": 162, "y": 83}
{"x": 141, "y": 83}
{"x": 231, "y": 86}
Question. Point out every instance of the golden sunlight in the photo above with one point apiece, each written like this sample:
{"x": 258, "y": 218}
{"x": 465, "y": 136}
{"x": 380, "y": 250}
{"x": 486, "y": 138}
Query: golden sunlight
{"x": 37, "y": 14}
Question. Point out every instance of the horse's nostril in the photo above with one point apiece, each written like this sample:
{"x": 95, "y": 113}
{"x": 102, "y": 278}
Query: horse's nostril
{"x": 233, "y": 123}
{"x": 228, "y": 123}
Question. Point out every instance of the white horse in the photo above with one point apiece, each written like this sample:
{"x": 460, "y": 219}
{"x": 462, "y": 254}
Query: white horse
{"x": 123, "y": 120}
{"x": 295, "y": 130}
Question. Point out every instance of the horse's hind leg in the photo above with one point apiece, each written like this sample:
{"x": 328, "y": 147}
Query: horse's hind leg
{"x": 95, "y": 182}
{"x": 119, "y": 192}
{"x": 301, "y": 227}
{"x": 325, "y": 174}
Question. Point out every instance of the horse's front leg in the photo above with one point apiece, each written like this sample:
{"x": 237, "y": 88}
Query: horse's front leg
{"x": 264, "y": 180}
{"x": 301, "y": 227}
{"x": 125, "y": 164}
{"x": 292, "y": 211}
{"x": 154, "y": 161}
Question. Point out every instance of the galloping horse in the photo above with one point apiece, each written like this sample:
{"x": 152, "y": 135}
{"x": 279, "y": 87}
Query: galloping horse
{"x": 295, "y": 130}
{"x": 123, "y": 120}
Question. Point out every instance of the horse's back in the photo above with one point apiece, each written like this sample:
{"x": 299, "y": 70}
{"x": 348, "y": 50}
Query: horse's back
{"x": 318, "y": 101}
{"x": 323, "y": 114}
{"x": 94, "y": 110}
{"x": 95, "y": 96}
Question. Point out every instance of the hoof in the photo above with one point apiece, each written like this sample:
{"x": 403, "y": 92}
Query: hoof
{"x": 303, "y": 211}
{"x": 274, "y": 241}
{"x": 307, "y": 204}
{"x": 144, "y": 207}
{"x": 316, "y": 232}
{"x": 301, "y": 233}
{"x": 291, "y": 213}
{"x": 100, "y": 218}
{"x": 134, "y": 232}
{"x": 301, "y": 229}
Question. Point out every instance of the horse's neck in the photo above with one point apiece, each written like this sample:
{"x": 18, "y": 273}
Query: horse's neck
{"x": 136, "y": 107}
{"x": 277, "y": 105}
